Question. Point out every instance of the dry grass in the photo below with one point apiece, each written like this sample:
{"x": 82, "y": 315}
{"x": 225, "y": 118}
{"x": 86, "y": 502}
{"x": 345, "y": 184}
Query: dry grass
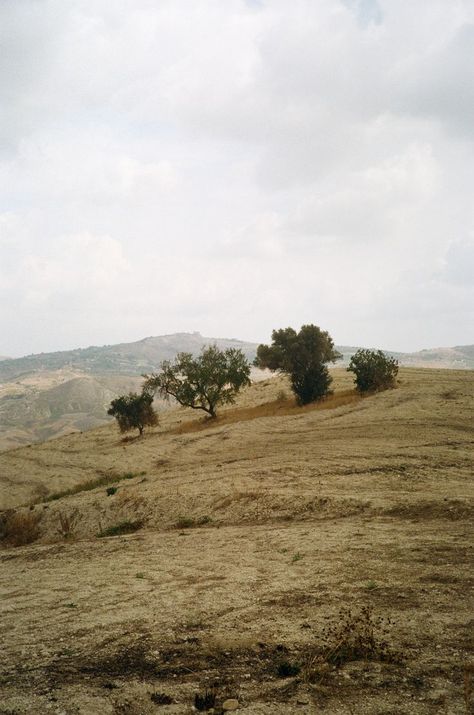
{"x": 20, "y": 528}
{"x": 281, "y": 407}
{"x": 375, "y": 492}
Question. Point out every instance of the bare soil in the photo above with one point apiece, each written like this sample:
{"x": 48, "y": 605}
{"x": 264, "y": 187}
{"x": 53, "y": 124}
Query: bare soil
{"x": 255, "y": 534}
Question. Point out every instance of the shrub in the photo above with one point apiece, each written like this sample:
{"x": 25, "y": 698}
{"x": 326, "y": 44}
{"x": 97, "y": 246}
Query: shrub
{"x": 19, "y": 528}
{"x": 67, "y": 523}
{"x": 304, "y": 357}
{"x": 203, "y": 383}
{"x": 355, "y": 636}
{"x": 134, "y": 411}
{"x": 111, "y": 491}
{"x": 124, "y": 527}
{"x": 373, "y": 370}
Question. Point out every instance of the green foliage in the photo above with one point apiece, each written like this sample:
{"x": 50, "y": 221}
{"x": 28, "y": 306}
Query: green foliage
{"x": 88, "y": 486}
{"x": 373, "y": 370}
{"x": 133, "y": 411}
{"x": 304, "y": 357}
{"x": 204, "y": 382}
{"x": 124, "y": 527}
{"x": 288, "y": 669}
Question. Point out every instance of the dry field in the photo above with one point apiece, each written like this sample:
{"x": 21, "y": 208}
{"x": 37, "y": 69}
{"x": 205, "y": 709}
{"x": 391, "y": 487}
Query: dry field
{"x": 297, "y": 560}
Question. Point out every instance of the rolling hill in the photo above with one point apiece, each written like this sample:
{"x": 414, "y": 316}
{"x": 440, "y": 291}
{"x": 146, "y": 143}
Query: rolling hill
{"x": 51, "y": 394}
{"x": 294, "y": 560}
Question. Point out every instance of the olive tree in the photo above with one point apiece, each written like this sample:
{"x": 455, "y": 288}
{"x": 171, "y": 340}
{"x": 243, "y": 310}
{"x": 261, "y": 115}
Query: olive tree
{"x": 204, "y": 382}
{"x": 373, "y": 370}
{"x": 133, "y": 411}
{"x": 304, "y": 357}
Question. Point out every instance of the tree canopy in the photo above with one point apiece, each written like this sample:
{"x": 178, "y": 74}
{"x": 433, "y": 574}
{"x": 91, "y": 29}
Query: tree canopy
{"x": 373, "y": 370}
{"x": 303, "y": 356}
{"x": 203, "y": 383}
{"x": 133, "y": 411}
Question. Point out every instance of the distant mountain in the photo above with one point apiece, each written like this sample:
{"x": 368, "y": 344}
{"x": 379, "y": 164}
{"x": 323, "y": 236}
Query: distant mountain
{"x": 51, "y": 394}
{"x": 123, "y": 359}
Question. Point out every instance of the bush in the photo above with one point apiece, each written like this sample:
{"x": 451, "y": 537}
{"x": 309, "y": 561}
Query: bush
{"x": 124, "y": 527}
{"x": 304, "y": 357}
{"x": 373, "y": 370}
{"x": 19, "y": 528}
{"x": 202, "y": 383}
{"x": 133, "y": 411}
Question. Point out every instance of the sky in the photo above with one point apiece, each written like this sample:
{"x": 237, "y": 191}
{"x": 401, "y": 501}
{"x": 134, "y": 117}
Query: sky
{"x": 236, "y": 166}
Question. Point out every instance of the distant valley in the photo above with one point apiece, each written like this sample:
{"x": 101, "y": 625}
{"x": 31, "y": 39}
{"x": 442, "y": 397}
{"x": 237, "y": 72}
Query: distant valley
{"x": 52, "y": 394}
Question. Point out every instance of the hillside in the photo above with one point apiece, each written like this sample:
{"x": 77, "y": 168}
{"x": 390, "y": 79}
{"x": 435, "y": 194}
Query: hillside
{"x": 53, "y": 394}
{"x": 123, "y": 359}
{"x": 252, "y": 534}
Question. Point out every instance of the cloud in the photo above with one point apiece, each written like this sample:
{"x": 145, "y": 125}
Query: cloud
{"x": 233, "y": 167}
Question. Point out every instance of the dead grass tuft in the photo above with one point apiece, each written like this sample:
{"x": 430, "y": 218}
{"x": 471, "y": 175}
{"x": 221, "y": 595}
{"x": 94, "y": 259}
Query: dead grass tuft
{"x": 359, "y": 635}
{"x": 19, "y": 528}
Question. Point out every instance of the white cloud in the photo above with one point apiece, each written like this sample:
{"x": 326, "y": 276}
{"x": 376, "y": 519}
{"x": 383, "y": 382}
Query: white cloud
{"x": 232, "y": 167}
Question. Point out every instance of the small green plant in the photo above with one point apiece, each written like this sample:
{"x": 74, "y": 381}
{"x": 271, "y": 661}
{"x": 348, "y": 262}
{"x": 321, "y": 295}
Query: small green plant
{"x": 124, "y": 527}
{"x": 88, "y": 486}
{"x": 70, "y": 605}
{"x": 371, "y": 585}
{"x": 111, "y": 491}
{"x": 205, "y": 701}
{"x": 296, "y": 557}
{"x": 161, "y": 699}
{"x": 286, "y": 669}
{"x": 188, "y": 522}
{"x": 140, "y": 574}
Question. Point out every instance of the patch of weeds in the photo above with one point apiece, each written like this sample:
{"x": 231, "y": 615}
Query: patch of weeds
{"x": 355, "y": 636}
{"x": 67, "y": 523}
{"x": 111, "y": 491}
{"x": 205, "y": 701}
{"x": 70, "y": 605}
{"x": 161, "y": 699}
{"x": 124, "y": 527}
{"x": 133, "y": 660}
{"x": 187, "y": 522}
{"x": 286, "y": 669}
{"x": 19, "y": 528}
{"x": 296, "y": 557}
{"x": 140, "y": 574}
{"x": 371, "y": 585}
{"x": 449, "y": 395}
{"x": 88, "y": 486}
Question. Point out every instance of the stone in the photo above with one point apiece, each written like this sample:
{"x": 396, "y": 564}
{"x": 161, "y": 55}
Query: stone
{"x": 230, "y": 704}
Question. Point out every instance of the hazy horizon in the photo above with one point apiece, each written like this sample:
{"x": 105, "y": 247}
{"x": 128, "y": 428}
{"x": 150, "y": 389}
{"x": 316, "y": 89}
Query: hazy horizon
{"x": 223, "y": 337}
{"x": 167, "y": 167}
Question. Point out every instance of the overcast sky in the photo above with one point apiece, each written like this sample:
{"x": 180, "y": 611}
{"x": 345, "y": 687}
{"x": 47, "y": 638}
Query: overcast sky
{"x": 234, "y": 166}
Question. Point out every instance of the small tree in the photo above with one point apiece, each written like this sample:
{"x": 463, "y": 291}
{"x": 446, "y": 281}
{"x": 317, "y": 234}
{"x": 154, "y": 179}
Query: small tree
{"x": 304, "y": 357}
{"x": 204, "y": 382}
{"x": 134, "y": 411}
{"x": 373, "y": 370}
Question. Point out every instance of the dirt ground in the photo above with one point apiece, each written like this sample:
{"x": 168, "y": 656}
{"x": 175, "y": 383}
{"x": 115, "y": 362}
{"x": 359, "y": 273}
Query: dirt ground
{"x": 295, "y": 560}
